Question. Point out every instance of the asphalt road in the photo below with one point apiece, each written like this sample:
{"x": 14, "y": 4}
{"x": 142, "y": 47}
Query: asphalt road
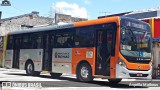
{"x": 69, "y": 81}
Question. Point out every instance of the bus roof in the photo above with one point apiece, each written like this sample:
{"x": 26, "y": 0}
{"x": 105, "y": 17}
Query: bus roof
{"x": 45, "y": 28}
{"x": 70, "y": 25}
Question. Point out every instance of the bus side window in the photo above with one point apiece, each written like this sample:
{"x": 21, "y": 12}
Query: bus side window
{"x": 64, "y": 40}
{"x": 38, "y": 42}
{"x": 58, "y": 41}
{"x": 85, "y": 37}
{"x": 52, "y": 40}
{"x": 25, "y": 42}
{"x": 68, "y": 42}
{"x": 10, "y": 42}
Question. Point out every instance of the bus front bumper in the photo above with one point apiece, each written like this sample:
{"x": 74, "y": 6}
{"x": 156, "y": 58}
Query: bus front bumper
{"x": 124, "y": 73}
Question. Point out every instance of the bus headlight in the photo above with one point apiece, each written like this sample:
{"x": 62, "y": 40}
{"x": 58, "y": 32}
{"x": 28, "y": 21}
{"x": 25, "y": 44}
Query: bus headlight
{"x": 121, "y": 62}
{"x": 151, "y": 66}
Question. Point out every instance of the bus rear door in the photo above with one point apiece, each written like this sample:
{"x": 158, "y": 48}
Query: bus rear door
{"x": 47, "y": 53}
{"x": 16, "y": 51}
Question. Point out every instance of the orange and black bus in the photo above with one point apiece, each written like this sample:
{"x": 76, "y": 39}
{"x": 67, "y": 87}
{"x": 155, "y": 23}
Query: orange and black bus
{"x": 113, "y": 48}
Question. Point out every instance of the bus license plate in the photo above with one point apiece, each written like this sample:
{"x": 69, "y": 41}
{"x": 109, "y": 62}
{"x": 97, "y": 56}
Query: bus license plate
{"x": 139, "y": 74}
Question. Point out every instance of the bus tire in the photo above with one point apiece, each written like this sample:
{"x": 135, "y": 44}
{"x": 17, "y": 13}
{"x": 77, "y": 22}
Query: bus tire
{"x": 84, "y": 72}
{"x": 30, "y": 69}
{"x": 114, "y": 81}
{"x": 55, "y": 75}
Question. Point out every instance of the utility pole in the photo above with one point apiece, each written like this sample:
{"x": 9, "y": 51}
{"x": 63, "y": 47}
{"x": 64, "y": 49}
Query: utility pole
{"x": 57, "y": 10}
{"x": 104, "y": 12}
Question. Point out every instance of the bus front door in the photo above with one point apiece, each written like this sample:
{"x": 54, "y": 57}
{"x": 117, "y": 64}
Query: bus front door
{"x": 16, "y": 52}
{"x": 104, "y": 41}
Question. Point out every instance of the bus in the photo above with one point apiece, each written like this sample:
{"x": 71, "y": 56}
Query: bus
{"x": 112, "y": 48}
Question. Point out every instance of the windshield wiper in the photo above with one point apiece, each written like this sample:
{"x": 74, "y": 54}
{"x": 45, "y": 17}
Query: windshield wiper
{"x": 136, "y": 43}
{"x": 145, "y": 34}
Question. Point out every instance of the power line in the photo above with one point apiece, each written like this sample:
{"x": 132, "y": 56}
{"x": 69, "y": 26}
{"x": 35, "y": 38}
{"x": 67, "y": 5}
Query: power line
{"x": 104, "y": 12}
{"x": 18, "y": 9}
{"x": 13, "y": 6}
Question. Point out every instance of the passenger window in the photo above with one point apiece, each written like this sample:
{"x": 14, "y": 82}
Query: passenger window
{"x": 85, "y": 37}
{"x": 10, "y": 42}
{"x": 64, "y": 40}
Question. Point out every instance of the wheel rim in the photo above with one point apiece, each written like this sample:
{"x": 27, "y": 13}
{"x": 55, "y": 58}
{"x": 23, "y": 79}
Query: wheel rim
{"x": 84, "y": 72}
{"x": 29, "y": 68}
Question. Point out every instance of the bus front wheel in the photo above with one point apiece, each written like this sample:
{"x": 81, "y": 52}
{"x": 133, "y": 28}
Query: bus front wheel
{"x": 30, "y": 69}
{"x": 114, "y": 81}
{"x": 84, "y": 72}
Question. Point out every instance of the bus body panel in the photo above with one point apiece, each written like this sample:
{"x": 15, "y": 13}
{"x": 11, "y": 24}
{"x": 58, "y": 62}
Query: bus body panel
{"x": 135, "y": 66}
{"x": 61, "y": 60}
{"x": 114, "y": 59}
{"x": 122, "y": 72}
{"x": 9, "y": 58}
{"x": 113, "y": 67}
{"x": 83, "y": 54}
{"x": 97, "y": 21}
{"x": 31, "y": 54}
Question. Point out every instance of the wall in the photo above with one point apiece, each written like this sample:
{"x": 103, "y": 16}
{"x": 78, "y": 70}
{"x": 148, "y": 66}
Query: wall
{"x": 156, "y": 54}
{"x": 23, "y": 22}
{"x": 1, "y": 50}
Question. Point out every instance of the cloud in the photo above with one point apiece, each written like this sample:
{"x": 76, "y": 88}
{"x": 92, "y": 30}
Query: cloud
{"x": 87, "y": 1}
{"x": 70, "y": 9}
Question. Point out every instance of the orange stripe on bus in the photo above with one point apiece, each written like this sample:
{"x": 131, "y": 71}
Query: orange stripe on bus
{"x": 97, "y": 21}
{"x": 134, "y": 66}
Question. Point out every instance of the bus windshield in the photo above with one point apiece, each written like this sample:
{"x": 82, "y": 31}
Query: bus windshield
{"x": 135, "y": 43}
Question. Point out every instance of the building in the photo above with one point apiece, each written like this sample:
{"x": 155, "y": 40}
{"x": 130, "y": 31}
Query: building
{"x": 63, "y": 18}
{"x": 148, "y": 13}
{"x": 118, "y": 14}
{"x": 22, "y": 22}
{"x": 33, "y": 19}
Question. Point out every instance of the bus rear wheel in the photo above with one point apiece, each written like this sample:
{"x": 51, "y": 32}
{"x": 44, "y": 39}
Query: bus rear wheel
{"x": 30, "y": 69}
{"x": 55, "y": 75}
{"x": 84, "y": 72}
{"x": 114, "y": 81}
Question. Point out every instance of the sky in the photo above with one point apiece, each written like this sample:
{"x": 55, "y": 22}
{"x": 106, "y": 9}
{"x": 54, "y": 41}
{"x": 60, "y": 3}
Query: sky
{"x": 90, "y": 9}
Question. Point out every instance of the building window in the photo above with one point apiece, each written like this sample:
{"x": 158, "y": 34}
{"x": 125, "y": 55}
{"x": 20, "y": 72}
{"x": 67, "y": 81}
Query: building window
{"x": 30, "y": 16}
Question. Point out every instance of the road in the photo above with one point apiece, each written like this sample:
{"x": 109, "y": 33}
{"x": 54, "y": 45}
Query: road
{"x": 21, "y": 81}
